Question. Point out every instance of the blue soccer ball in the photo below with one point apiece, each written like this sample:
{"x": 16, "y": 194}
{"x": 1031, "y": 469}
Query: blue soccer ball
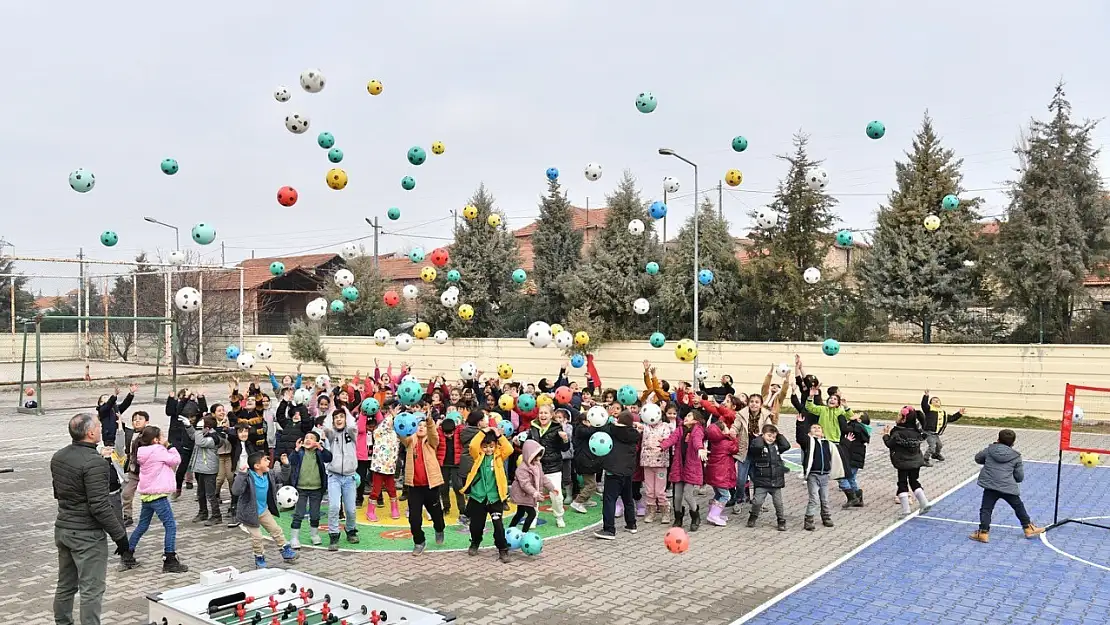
{"x": 506, "y": 427}
{"x": 705, "y": 277}
{"x": 513, "y": 536}
{"x": 658, "y": 210}
{"x": 404, "y": 424}
{"x": 578, "y": 361}
{"x": 232, "y": 352}
{"x": 552, "y": 174}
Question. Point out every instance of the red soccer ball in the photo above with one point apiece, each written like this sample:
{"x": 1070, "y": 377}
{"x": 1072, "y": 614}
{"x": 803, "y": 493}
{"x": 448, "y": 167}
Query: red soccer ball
{"x": 440, "y": 257}
{"x": 391, "y": 298}
{"x": 676, "y": 540}
{"x": 287, "y": 196}
{"x": 563, "y": 394}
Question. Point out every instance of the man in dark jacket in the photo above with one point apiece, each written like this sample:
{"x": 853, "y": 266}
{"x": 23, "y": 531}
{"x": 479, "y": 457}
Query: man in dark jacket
{"x": 767, "y": 473}
{"x": 81, "y": 481}
{"x": 619, "y": 464}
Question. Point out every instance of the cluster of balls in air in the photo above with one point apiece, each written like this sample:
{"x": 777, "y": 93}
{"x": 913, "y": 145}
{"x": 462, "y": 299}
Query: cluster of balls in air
{"x": 246, "y": 360}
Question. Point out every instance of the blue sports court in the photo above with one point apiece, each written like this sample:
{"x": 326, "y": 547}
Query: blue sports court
{"x": 926, "y": 570}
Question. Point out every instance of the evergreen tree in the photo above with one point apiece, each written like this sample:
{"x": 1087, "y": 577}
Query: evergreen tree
{"x": 915, "y": 275}
{"x": 486, "y": 257}
{"x": 369, "y": 312}
{"x": 305, "y": 344}
{"x": 719, "y": 305}
{"x": 24, "y": 299}
{"x": 1056, "y": 227}
{"x": 778, "y": 304}
{"x": 557, "y": 252}
{"x": 612, "y": 275}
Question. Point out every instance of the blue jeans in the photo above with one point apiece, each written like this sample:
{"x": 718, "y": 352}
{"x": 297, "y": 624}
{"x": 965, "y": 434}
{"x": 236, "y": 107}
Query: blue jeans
{"x": 741, "y": 479}
{"x": 849, "y": 481}
{"x": 162, "y": 508}
{"x": 721, "y": 495}
{"x": 341, "y": 492}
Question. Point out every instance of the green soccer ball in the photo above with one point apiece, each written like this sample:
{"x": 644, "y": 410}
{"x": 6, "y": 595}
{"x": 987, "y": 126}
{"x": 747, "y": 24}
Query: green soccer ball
{"x": 325, "y": 140}
{"x": 652, "y": 268}
{"x": 844, "y": 238}
{"x": 335, "y": 155}
{"x": 627, "y": 395}
{"x": 519, "y": 276}
{"x": 394, "y": 213}
{"x": 454, "y": 275}
{"x": 204, "y": 234}
{"x": 109, "y": 238}
{"x": 657, "y": 339}
{"x": 337, "y": 306}
{"x": 82, "y": 181}
{"x": 417, "y": 156}
{"x": 876, "y": 129}
{"x": 950, "y": 202}
{"x": 646, "y": 102}
{"x": 408, "y": 183}
{"x": 277, "y": 268}
{"x": 739, "y": 143}
{"x": 831, "y": 347}
{"x": 531, "y": 544}
{"x": 169, "y": 166}
{"x": 350, "y": 293}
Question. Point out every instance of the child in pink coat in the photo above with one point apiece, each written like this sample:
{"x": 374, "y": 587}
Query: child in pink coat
{"x": 158, "y": 463}
{"x": 686, "y": 466}
{"x": 654, "y": 461}
{"x": 530, "y": 483}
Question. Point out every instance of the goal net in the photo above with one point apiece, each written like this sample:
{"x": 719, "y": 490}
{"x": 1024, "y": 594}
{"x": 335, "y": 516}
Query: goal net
{"x": 1084, "y": 451}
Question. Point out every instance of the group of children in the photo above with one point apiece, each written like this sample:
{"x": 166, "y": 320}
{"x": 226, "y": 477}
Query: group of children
{"x": 667, "y": 445}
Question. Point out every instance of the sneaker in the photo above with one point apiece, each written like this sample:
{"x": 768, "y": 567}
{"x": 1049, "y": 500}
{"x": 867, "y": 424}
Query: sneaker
{"x": 352, "y": 537}
{"x": 260, "y": 562}
{"x": 577, "y": 507}
{"x": 128, "y": 521}
{"x": 440, "y": 538}
{"x": 472, "y": 550}
{"x": 591, "y": 504}
{"x": 630, "y": 530}
{"x": 201, "y": 516}
{"x": 233, "y": 522}
{"x": 559, "y": 522}
{"x": 295, "y": 541}
{"x": 333, "y": 542}
{"x": 316, "y": 540}
{"x": 170, "y": 564}
{"x": 782, "y": 525}
{"x": 127, "y": 562}
{"x": 418, "y": 549}
{"x": 603, "y": 535}
{"x": 287, "y": 553}
{"x": 464, "y": 521}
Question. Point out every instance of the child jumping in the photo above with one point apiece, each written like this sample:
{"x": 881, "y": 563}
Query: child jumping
{"x": 904, "y": 442}
{"x": 486, "y": 487}
{"x": 934, "y": 420}
{"x": 257, "y": 507}
{"x": 1000, "y": 478}
{"x": 158, "y": 463}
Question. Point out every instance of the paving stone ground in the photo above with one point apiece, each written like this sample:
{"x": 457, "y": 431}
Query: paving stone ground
{"x": 577, "y": 580}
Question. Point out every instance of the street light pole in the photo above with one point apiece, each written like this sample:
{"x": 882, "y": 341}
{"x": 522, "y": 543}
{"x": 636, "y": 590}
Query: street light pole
{"x": 697, "y": 259}
{"x": 176, "y": 232}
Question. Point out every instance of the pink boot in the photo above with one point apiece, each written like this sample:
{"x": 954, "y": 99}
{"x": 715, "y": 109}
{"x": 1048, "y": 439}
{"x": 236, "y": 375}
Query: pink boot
{"x": 620, "y": 509}
{"x": 371, "y": 513}
{"x": 394, "y": 510}
{"x": 715, "y": 516}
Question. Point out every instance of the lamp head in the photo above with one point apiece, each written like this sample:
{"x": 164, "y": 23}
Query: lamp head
{"x": 666, "y": 151}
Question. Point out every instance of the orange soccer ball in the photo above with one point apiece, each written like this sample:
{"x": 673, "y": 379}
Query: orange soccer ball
{"x": 676, "y": 540}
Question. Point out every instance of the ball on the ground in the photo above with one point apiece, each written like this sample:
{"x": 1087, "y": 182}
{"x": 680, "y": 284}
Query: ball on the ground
{"x": 552, "y": 173}
{"x": 408, "y": 183}
{"x": 1089, "y": 459}
{"x": 657, "y": 339}
{"x": 287, "y": 196}
{"x": 876, "y": 129}
{"x": 416, "y": 155}
{"x": 671, "y": 184}
{"x": 531, "y": 544}
{"x": 739, "y": 143}
{"x": 950, "y": 202}
{"x": 601, "y": 443}
{"x": 676, "y": 540}
{"x": 733, "y": 177}
{"x": 297, "y": 123}
{"x": 593, "y": 172}
{"x": 82, "y": 181}
{"x": 325, "y": 140}
{"x": 375, "y": 87}
{"x": 281, "y": 94}
{"x": 830, "y": 347}
{"x": 513, "y": 536}
{"x": 109, "y": 238}
{"x": 203, "y": 233}
{"x": 169, "y": 166}
{"x": 646, "y": 102}
{"x": 312, "y": 80}
{"x": 187, "y": 299}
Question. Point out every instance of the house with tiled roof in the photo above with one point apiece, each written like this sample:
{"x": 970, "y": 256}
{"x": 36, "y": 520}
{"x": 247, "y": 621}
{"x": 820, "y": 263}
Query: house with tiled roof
{"x": 269, "y": 301}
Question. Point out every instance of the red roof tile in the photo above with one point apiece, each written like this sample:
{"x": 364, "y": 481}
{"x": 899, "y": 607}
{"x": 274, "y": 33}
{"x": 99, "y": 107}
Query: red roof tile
{"x": 257, "y": 271}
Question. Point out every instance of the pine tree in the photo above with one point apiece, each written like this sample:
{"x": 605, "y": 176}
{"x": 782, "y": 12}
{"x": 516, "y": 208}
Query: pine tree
{"x": 778, "y": 304}
{"x": 24, "y": 299}
{"x": 1056, "y": 226}
{"x": 557, "y": 249}
{"x": 719, "y": 305}
{"x": 369, "y": 312}
{"x": 486, "y": 257}
{"x": 305, "y": 344}
{"x": 612, "y": 275}
{"x": 915, "y": 275}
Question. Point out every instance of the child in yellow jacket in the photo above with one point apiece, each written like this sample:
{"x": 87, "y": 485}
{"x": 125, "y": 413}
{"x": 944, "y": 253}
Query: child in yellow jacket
{"x": 487, "y": 488}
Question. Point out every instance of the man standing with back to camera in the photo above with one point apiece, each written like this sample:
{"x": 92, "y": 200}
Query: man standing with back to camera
{"x": 81, "y": 481}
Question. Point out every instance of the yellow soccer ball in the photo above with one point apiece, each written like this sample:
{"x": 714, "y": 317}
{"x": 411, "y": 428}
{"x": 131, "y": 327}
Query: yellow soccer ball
{"x": 544, "y": 400}
{"x": 733, "y": 177}
{"x": 438, "y": 147}
{"x": 428, "y": 274}
{"x": 374, "y": 87}
{"x": 556, "y": 328}
{"x": 581, "y": 339}
{"x": 466, "y": 312}
{"x": 494, "y": 220}
{"x": 421, "y": 330}
{"x": 932, "y": 222}
{"x": 505, "y": 402}
{"x": 1089, "y": 459}
{"x": 470, "y": 212}
{"x": 337, "y": 178}
{"x": 504, "y": 371}
{"x": 686, "y": 350}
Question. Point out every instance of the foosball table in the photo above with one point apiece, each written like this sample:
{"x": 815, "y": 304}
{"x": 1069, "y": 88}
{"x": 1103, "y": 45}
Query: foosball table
{"x": 281, "y": 597}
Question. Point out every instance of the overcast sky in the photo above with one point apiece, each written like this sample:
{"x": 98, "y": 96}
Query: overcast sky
{"x": 511, "y": 88}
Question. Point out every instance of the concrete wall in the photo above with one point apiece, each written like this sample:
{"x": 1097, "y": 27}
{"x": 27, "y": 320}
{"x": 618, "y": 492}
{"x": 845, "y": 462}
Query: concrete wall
{"x": 55, "y": 346}
{"x": 989, "y": 380}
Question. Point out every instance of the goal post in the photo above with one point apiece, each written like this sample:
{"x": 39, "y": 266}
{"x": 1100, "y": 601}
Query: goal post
{"x": 1086, "y": 412}
{"x": 53, "y": 341}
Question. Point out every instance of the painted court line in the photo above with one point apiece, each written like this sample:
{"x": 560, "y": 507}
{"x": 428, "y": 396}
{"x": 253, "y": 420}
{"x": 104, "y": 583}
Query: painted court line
{"x": 962, "y": 522}
{"x": 1044, "y": 539}
{"x": 763, "y": 607}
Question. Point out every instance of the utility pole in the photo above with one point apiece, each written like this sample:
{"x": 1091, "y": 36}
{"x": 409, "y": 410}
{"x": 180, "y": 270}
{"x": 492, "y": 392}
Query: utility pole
{"x": 223, "y": 254}
{"x": 720, "y": 198}
{"x": 11, "y": 285}
{"x": 665, "y": 222}
{"x": 80, "y": 292}
{"x": 374, "y": 224}
{"x": 455, "y": 214}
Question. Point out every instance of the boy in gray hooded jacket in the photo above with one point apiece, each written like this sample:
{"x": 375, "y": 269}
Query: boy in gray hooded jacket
{"x": 1000, "y": 478}
{"x": 340, "y": 441}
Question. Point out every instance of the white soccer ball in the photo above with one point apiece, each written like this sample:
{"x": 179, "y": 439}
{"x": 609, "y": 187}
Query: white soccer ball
{"x": 440, "y": 337}
{"x": 245, "y": 361}
{"x": 403, "y": 342}
{"x": 468, "y": 370}
{"x": 766, "y": 218}
{"x": 410, "y": 291}
{"x": 264, "y": 351}
{"x": 187, "y": 299}
{"x": 564, "y": 340}
{"x": 350, "y": 251}
{"x": 452, "y": 289}
{"x": 281, "y": 94}
{"x": 317, "y": 309}
{"x": 636, "y": 227}
{"x": 817, "y": 178}
{"x": 597, "y": 416}
{"x": 322, "y": 379}
{"x": 593, "y": 172}
{"x": 344, "y": 278}
{"x": 783, "y": 369}
{"x": 312, "y": 81}
{"x": 651, "y": 414}
{"x": 177, "y": 257}
{"x": 701, "y": 374}
{"x": 449, "y": 299}
{"x": 381, "y": 336}
{"x": 641, "y": 306}
{"x": 301, "y": 396}
{"x": 1077, "y": 413}
{"x": 297, "y": 123}
{"x": 287, "y": 497}
{"x": 811, "y": 275}
{"x": 539, "y": 334}
{"x": 670, "y": 184}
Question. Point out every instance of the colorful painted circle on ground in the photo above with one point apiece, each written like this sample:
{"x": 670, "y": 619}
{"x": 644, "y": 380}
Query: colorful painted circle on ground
{"x": 388, "y": 534}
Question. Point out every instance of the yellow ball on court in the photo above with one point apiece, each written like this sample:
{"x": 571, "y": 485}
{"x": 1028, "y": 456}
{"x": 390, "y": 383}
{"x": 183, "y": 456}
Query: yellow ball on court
{"x": 1089, "y": 459}
{"x": 337, "y": 178}
{"x": 374, "y": 87}
{"x": 421, "y": 330}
